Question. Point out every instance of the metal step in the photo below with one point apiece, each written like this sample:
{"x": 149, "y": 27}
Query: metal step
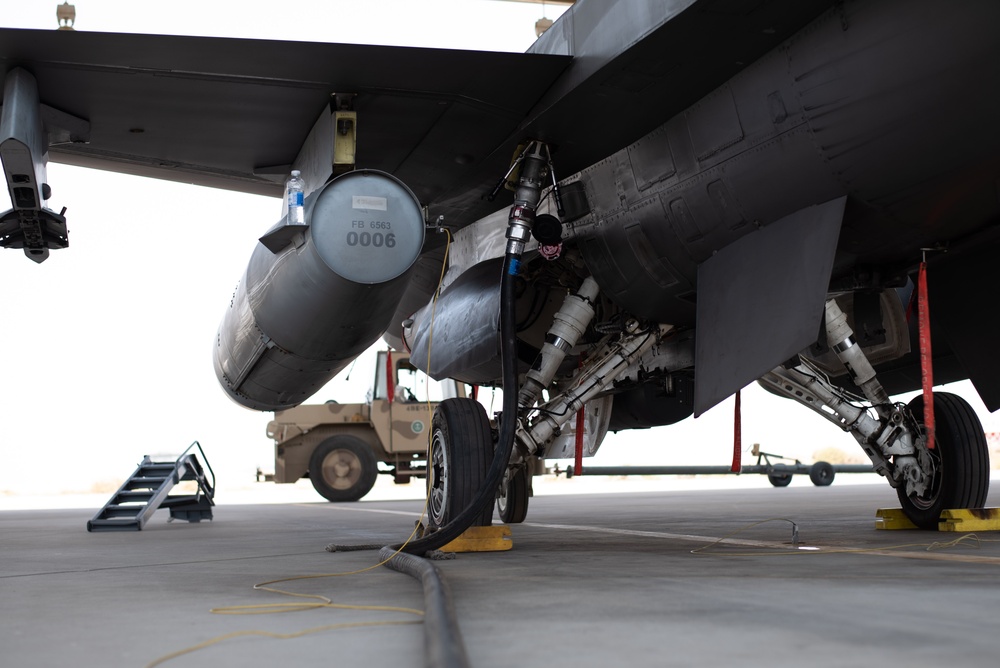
{"x": 133, "y": 496}
{"x": 111, "y": 512}
{"x": 113, "y": 525}
{"x": 145, "y": 482}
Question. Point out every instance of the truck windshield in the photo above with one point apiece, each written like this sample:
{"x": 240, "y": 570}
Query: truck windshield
{"x": 414, "y": 385}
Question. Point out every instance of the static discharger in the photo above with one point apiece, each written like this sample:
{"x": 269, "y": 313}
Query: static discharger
{"x": 961, "y": 520}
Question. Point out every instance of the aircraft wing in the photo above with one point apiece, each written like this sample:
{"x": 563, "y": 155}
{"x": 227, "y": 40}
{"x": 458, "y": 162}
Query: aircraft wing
{"x": 233, "y": 113}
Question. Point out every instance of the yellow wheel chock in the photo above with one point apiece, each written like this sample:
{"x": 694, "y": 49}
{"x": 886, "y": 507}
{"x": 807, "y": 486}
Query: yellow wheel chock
{"x": 482, "y": 539}
{"x": 961, "y": 520}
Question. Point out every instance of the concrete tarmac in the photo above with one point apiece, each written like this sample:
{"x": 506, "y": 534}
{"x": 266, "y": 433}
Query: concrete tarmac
{"x": 631, "y": 579}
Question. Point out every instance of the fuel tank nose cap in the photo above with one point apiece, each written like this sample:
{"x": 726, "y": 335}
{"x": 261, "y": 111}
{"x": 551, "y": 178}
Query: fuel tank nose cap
{"x": 367, "y": 226}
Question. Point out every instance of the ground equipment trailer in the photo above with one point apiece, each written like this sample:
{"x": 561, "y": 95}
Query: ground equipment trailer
{"x": 778, "y": 474}
{"x": 339, "y": 446}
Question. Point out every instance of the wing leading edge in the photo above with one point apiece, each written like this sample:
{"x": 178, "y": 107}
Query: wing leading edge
{"x": 232, "y": 113}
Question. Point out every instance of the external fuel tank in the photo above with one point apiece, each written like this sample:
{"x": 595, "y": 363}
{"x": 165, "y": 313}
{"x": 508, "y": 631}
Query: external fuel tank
{"x": 315, "y": 296}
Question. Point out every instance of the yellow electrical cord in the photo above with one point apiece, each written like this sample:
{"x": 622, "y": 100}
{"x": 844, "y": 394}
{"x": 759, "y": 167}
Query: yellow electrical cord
{"x": 430, "y": 409}
{"x": 268, "y": 634}
{"x": 437, "y": 293}
{"x": 323, "y": 601}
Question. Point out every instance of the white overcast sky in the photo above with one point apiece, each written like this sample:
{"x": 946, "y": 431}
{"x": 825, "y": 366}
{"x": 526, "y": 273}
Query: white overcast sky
{"x": 107, "y": 345}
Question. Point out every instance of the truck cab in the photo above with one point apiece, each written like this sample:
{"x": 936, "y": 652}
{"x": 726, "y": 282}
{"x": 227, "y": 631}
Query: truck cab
{"x": 340, "y": 446}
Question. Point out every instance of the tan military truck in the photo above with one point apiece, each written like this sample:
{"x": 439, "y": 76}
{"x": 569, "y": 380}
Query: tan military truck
{"x": 339, "y": 447}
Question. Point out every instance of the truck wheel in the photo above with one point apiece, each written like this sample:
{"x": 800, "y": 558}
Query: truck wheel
{"x": 343, "y": 468}
{"x": 461, "y": 451}
{"x": 961, "y": 461}
{"x": 512, "y": 499}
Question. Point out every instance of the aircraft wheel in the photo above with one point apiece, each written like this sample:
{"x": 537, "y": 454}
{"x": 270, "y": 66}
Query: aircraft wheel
{"x": 461, "y": 451}
{"x": 343, "y": 468}
{"x": 961, "y": 462}
{"x": 512, "y": 499}
{"x": 779, "y": 479}
{"x": 821, "y": 474}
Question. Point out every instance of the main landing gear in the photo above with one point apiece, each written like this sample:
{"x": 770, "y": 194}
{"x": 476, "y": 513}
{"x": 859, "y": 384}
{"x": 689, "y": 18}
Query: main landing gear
{"x": 955, "y": 474}
{"x": 959, "y": 463}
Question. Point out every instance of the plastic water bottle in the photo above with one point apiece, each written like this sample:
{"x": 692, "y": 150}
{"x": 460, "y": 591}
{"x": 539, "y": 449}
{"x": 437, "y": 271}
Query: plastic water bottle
{"x": 295, "y": 189}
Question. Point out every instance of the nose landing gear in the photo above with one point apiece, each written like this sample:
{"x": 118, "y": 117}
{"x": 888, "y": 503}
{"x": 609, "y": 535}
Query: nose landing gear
{"x": 461, "y": 451}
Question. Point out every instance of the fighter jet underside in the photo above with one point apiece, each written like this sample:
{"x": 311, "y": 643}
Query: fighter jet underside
{"x": 705, "y": 194}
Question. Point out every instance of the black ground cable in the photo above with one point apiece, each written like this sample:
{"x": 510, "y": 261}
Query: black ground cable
{"x": 443, "y": 646}
{"x": 333, "y": 547}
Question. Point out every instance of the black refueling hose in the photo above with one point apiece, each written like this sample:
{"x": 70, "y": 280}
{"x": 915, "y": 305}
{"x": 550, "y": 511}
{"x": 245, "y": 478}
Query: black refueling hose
{"x": 443, "y": 646}
{"x": 533, "y": 160}
{"x": 508, "y": 423}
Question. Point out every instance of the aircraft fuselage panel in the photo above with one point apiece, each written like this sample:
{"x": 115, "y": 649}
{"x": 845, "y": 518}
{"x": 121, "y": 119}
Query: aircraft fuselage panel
{"x": 866, "y": 112}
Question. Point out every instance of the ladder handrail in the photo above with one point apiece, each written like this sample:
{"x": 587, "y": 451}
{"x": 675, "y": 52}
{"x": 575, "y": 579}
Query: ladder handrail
{"x": 204, "y": 458}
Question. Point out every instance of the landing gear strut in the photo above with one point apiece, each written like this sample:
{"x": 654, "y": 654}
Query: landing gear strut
{"x": 953, "y": 475}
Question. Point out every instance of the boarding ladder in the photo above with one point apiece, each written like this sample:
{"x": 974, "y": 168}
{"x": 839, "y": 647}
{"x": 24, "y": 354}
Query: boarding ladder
{"x": 149, "y": 488}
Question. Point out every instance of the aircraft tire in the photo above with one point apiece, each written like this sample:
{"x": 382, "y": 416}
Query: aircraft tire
{"x": 779, "y": 479}
{"x": 821, "y": 474}
{"x": 963, "y": 464}
{"x": 461, "y": 452}
{"x": 342, "y": 468}
{"x": 512, "y": 500}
